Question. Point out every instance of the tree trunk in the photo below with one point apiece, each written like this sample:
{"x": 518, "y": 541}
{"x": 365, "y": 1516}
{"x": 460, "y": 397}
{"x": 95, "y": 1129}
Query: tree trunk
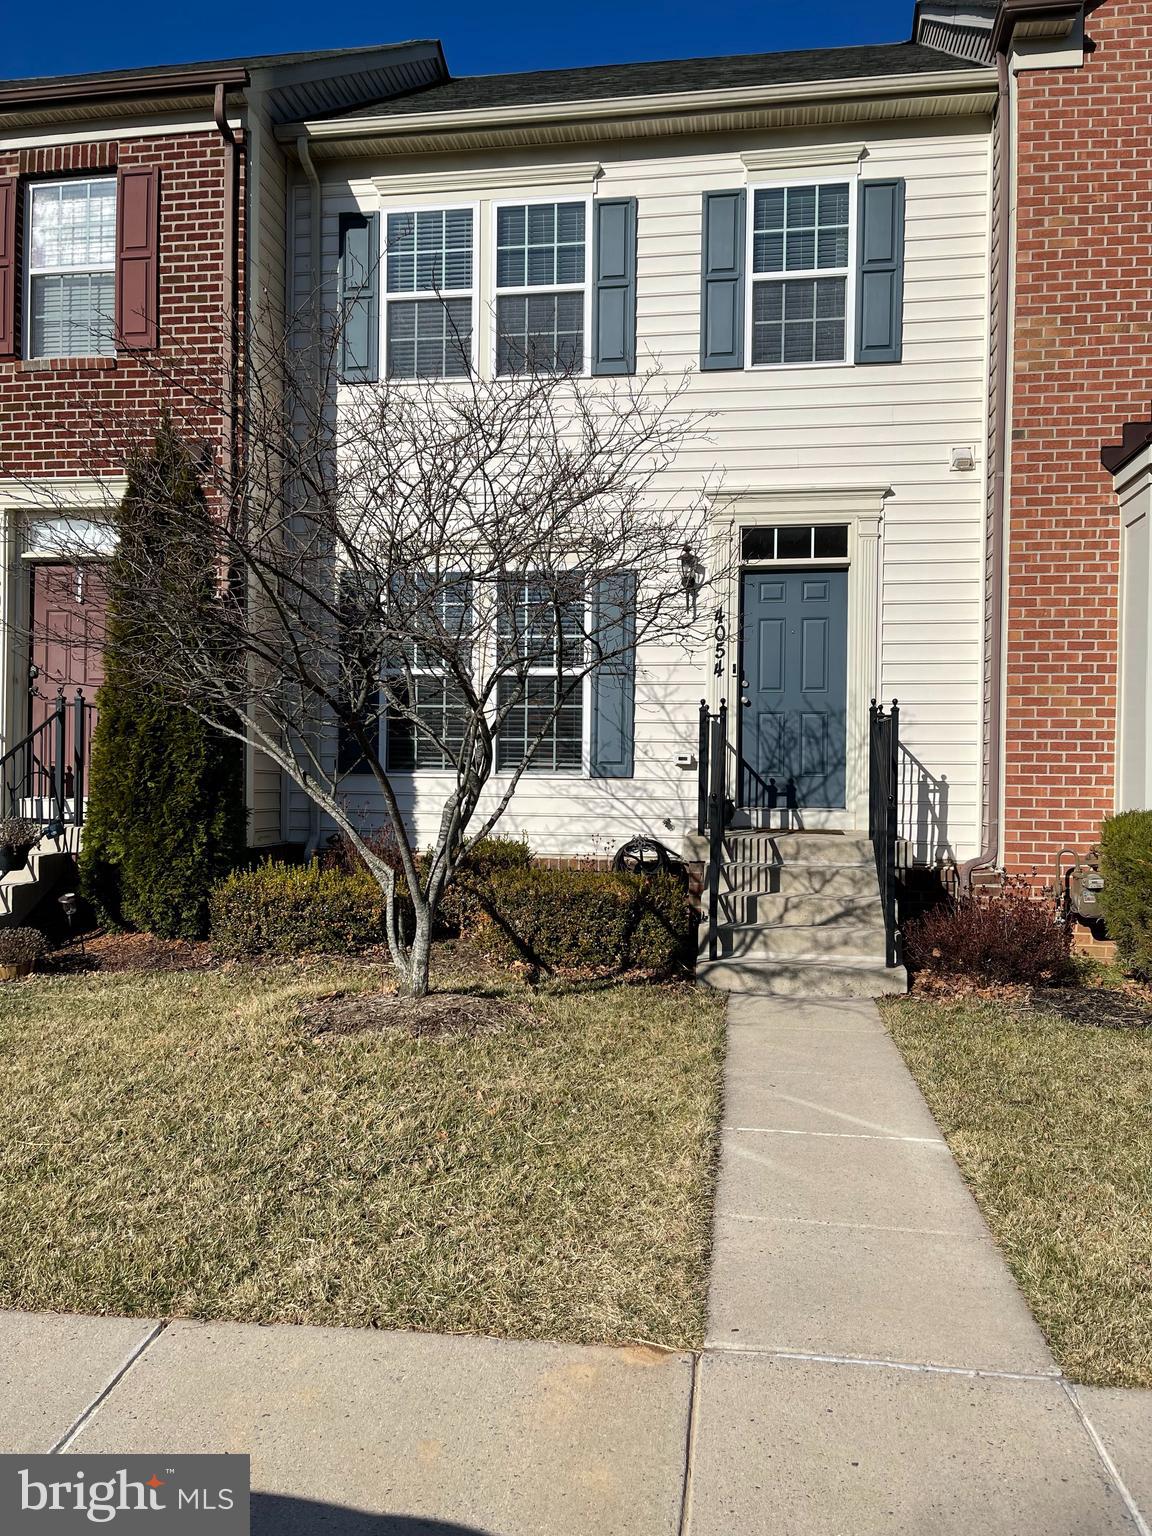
{"x": 415, "y": 982}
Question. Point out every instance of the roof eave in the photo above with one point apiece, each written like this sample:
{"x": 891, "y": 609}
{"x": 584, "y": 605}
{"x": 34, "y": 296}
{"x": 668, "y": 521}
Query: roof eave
{"x": 1034, "y": 19}
{"x": 951, "y": 83}
{"x": 145, "y": 84}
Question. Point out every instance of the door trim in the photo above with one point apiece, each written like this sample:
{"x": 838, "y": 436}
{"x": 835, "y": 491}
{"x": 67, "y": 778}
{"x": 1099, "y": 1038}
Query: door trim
{"x": 861, "y": 508}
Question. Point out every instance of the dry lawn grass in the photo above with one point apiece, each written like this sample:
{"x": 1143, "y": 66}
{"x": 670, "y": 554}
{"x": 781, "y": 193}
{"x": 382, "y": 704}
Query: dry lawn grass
{"x": 183, "y": 1145}
{"x": 1050, "y": 1120}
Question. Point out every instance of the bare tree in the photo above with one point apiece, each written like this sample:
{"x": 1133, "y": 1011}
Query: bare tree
{"x": 417, "y": 574}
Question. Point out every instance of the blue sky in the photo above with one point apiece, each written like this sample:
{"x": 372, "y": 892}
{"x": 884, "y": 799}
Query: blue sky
{"x": 479, "y": 36}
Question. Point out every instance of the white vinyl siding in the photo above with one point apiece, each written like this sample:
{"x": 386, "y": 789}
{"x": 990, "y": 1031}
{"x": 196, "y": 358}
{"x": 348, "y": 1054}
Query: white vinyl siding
{"x": 71, "y": 267}
{"x": 782, "y": 428}
{"x": 429, "y": 254}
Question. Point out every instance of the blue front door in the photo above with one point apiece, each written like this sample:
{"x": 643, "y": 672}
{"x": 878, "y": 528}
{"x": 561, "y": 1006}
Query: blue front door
{"x": 795, "y": 693}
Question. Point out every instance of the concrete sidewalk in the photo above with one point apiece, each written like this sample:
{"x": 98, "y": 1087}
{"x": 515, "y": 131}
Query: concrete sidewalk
{"x": 870, "y": 1366}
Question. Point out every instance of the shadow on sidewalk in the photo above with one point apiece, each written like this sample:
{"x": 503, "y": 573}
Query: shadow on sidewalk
{"x": 275, "y": 1514}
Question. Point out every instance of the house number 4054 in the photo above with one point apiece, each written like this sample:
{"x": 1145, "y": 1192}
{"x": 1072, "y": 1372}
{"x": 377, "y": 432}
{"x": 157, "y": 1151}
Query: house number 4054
{"x": 720, "y": 649}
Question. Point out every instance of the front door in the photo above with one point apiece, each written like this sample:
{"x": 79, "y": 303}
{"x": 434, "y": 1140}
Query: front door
{"x": 795, "y": 693}
{"x": 68, "y": 609}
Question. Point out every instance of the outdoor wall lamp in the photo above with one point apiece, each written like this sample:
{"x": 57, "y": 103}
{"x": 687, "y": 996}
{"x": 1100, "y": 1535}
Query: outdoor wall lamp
{"x": 689, "y": 576}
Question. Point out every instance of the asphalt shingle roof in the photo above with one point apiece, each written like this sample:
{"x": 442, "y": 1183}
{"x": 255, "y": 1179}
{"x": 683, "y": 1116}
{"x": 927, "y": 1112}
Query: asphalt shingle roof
{"x": 542, "y": 87}
{"x": 254, "y": 61}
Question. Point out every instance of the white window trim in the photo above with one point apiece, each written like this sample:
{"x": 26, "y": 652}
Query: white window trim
{"x": 585, "y": 287}
{"x": 73, "y": 270}
{"x": 849, "y": 178}
{"x": 388, "y": 298}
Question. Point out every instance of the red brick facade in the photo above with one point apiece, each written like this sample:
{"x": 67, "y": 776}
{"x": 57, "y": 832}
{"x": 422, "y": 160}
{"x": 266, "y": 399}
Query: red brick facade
{"x": 55, "y": 415}
{"x": 1083, "y": 367}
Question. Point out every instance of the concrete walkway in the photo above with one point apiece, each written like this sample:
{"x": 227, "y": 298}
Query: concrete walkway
{"x": 870, "y": 1366}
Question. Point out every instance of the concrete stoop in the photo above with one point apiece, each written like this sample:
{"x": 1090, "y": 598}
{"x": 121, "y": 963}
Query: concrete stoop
{"x": 22, "y": 890}
{"x": 800, "y": 916}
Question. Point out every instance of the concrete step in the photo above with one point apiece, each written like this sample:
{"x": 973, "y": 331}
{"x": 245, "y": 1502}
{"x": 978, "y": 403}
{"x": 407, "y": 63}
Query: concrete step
{"x": 801, "y": 879}
{"x": 773, "y": 909}
{"x": 808, "y": 941}
{"x": 842, "y": 978}
{"x": 22, "y": 890}
{"x": 798, "y": 847}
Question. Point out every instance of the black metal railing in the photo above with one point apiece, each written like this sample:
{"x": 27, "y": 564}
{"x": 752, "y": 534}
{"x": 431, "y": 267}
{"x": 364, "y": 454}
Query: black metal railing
{"x": 44, "y": 777}
{"x": 884, "y": 812}
{"x": 713, "y": 806}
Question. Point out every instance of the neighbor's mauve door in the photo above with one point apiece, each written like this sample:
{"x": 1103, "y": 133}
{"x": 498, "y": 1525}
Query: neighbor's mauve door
{"x": 69, "y": 612}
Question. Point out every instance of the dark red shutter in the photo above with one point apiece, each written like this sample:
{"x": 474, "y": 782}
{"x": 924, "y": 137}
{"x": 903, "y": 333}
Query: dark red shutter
{"x": 137, "y": 258}
{"x": 8, "y": 270}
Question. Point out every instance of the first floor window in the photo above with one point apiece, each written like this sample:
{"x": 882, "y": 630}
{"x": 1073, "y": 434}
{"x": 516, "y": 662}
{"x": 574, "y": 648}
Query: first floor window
{"x": 436, "y": 741}
{"x": 71, "y": 267}
{"x": 541, "y": 265}
{"x": 428, "y": 264}
{"x": 544, "y": 727}
{"x": 800, "y": 245}
{"x": 540, "y": 632}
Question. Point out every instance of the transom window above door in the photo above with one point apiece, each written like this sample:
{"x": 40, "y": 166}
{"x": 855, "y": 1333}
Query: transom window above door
{"x": 71, "y": 298}
{"x": 800, "y": 255}
{"x": 819, "y": 541}
{"x": 541, "y": 270}
{"x": 429, "y": 255}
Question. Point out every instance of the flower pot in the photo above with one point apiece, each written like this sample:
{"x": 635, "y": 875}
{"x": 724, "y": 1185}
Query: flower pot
{"x": 15, "y": 972}
{"x": 13, "y": 857}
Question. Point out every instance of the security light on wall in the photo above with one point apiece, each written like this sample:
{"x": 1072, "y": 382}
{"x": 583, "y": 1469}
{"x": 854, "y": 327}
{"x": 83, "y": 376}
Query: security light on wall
{"x": 963, "y": 459}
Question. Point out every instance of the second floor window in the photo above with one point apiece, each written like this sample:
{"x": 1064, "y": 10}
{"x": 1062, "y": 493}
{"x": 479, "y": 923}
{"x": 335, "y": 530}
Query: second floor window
{"x": 428, "y": 255}
{"x": 541, "y": 267}
{"x": 800, "y": 252}
{"x": 71, "y": 267}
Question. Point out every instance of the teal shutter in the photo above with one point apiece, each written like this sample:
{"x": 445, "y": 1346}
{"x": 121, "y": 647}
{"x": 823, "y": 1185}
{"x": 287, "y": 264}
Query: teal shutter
{"x": 880, "y": 275}
{"x": 722, "y": 281}
{"x": 359, "y": 285}
{"x": 614, "y": 293}
{"x": 614, "y": 680}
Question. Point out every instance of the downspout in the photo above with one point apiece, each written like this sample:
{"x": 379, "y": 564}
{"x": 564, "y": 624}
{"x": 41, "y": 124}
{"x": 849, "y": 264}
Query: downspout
{"x": 990, "y": 851}
{"x": 304, "y": 155}
{"x": 231, "y": 275}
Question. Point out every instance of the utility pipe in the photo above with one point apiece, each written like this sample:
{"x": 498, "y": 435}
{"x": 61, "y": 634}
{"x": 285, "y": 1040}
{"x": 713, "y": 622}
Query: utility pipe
{"x": 994, "y": 610}
{"x": 231, "y": 283}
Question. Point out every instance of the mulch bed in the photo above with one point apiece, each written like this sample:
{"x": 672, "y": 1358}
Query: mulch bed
{"x": 1096, "y": 1007}
{"x": 129, "y": 952}
{"x": 438, "y": 1014}
{"x": 1127, "y": 1006}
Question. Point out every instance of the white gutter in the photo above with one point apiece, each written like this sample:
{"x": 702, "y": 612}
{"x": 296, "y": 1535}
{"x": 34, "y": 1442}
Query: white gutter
{"x": 934, "y": 82}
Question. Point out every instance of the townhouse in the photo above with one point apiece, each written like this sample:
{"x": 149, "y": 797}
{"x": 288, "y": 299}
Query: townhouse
{"x": 142, "y": 217}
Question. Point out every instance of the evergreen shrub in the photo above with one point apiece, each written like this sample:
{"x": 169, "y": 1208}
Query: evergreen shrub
{"x": 165, "y": 816}
{"x": 1126, "y": 900}
{"x": 584, "y": 919}
{"x": 295, "y": 909}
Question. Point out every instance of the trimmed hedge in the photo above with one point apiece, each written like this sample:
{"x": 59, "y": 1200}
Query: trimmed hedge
{"x": 568, "y": 918}
{"x": 295, "y": 909}
{"x": 999, "y": 935}
{"x": 1126, "y": 900}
